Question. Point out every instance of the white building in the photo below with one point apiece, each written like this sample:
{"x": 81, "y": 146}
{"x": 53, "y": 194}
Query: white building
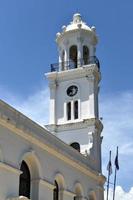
{"x": 61, "y": 161}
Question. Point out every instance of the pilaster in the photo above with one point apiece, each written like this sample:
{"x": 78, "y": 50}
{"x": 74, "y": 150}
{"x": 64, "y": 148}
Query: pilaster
{"x": 66, "y": 195}
{"x": 45, "y": 189}
{"x": 80, "y": 50}
{"x": 52, "y": 87}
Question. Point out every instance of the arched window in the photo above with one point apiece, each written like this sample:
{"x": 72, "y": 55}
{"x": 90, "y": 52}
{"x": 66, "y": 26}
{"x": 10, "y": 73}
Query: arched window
{"x": 73, "y": 56}
{"x": 69, "y": 111}
{"x": 85, "y": 55}
{"x": 75, "y": 109}
{"x": 63, "y": 60}
{"x": 24, "y": 183}
{"x": 56, "y": 191}
{"x": 76, "y": 146}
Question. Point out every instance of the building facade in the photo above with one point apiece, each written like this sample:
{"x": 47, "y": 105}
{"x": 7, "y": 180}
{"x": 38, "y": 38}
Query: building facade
{"x": 61, "y": 161}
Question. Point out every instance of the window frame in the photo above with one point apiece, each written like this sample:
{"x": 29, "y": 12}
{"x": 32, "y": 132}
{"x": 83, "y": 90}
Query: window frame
{"x": 25, "y": 181}
{"x": 72, "y": 111}
{"x": 56, "y": 191}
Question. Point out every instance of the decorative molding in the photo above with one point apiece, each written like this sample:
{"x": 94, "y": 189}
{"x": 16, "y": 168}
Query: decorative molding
{"x": 10, "y": 168}
{"x": 46, "y": 183}
{"x": 87, "y": 70}
{"x": 78, "y": 125}
{"x": 25, "y": 154}
{"x": 69, "y": 193}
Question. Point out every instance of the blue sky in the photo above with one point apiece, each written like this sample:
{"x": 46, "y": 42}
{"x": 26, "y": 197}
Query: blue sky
{"x": 27, "y": 48}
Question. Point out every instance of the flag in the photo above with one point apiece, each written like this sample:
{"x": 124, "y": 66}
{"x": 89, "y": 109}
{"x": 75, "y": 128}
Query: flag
{"x": 116, "y": 160}
{"x": 109, "y": 166}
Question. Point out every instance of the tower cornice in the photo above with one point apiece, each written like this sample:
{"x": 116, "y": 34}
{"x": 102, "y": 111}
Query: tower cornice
{"x": 86, "y": 123}
{"x": 82, "y": 32}
{"x": 83, "y": 71}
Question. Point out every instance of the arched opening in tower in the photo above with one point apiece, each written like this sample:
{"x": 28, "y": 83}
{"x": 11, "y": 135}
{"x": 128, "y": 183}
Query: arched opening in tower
{"x": 73, "y": 56}
{"x": 76, "y": 146}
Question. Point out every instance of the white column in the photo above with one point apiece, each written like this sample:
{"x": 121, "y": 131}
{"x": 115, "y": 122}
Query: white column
{"x": 79, "y": 54}
{"x": 91, "y": 97}
{"x": 45, "y": 190}
{"x": 96, "y": 100}
{"x": 66, "y": 195}
{"x": 91, "y": 50}
{"x": 80, "y": 50}
{"x": 60, "y": 58}
{"x": 66, "y": 58}
{"x": 91, "y": 53}
{"x": 34, "y": 189}
{"x": 52, "y": 87}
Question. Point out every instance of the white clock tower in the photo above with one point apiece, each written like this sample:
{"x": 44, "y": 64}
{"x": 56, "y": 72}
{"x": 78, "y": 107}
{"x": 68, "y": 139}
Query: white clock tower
{"x": 74, "y": 87}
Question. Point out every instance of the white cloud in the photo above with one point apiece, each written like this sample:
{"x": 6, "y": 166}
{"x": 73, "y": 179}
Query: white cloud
{"x": 35, "y": 106}
{"x": 127, "y": 149}
{"x": 117, "y": 113}
{"x": 120, "y": 194}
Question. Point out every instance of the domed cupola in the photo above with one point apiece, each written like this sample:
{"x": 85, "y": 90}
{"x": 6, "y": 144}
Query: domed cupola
{"x": 76, "y": 45}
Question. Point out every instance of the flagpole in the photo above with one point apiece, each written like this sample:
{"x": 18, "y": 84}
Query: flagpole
{"x": 114, "y": 184}
{"x": 108, "y": 176}
{"x": 116, "y": 168}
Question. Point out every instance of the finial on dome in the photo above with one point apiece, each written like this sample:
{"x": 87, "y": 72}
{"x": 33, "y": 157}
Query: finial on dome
{"x": 63, "y": 28}
{"x": 93, "y": 28}
{"x": 58, "y": 34}
{"x": 77, "y": 18}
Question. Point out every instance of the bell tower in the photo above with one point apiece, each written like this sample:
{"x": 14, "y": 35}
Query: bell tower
{"x": 74, "y": 86}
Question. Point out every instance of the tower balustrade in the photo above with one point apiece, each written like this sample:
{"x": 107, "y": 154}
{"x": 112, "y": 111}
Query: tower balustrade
{"x": 68, "y": 65}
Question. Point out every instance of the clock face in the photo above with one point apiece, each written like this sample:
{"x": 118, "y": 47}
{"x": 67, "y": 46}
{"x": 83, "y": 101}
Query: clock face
{"x": 72, "y": 90}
